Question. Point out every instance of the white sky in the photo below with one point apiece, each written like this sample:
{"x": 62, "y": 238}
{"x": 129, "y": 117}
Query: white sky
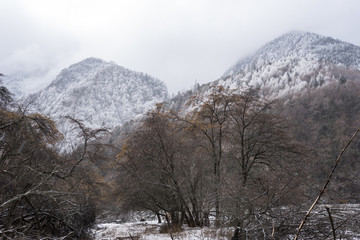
{"x": 178, "y": 41}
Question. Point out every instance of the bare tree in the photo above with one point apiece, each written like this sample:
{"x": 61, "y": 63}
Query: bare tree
{"x": 210, "y": 121}
{"x": 257, "y": 134}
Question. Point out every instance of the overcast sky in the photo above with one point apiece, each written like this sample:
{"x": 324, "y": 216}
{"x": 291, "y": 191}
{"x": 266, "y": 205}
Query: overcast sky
{"x": 181, "y": 42}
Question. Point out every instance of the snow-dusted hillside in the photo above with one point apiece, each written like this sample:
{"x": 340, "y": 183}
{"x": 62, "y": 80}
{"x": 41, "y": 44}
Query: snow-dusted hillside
{"x": 293, "y": 62}
{"x": 101, "y": 94}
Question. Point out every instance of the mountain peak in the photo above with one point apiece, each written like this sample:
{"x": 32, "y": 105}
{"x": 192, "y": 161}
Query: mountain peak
{"x": 92, "y": 60}
{"x": 84, "y": 70}
{"x": 89, "y": 63}
{"x": 299, "y": 35}
{"x": 307, "y": 41}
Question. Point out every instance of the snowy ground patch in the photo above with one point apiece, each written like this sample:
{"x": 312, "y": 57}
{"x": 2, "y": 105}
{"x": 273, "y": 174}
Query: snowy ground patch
{"x": 150, "y": 230}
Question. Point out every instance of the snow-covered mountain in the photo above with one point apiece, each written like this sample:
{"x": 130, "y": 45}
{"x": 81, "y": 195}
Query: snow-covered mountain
{"x": 292, "y": 62}
{"x": 99, "y": 93}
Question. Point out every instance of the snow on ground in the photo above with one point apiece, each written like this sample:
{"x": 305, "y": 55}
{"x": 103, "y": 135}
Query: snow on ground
{"x": 346, "y": 220}
{"x": 150, "y": 230}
